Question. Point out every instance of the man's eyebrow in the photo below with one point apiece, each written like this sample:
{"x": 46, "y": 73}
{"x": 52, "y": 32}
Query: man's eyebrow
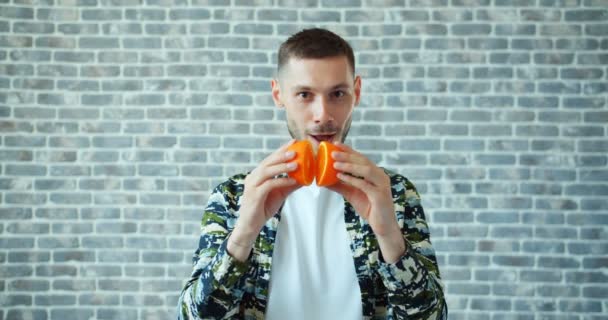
{"x": 300, "y": 88}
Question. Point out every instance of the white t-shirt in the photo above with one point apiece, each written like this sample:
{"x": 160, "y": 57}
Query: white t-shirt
{"x": 313, "y": 274}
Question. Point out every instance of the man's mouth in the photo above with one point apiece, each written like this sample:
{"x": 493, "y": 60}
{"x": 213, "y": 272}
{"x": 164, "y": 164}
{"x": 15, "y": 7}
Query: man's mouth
{"x": 323, "y": 137}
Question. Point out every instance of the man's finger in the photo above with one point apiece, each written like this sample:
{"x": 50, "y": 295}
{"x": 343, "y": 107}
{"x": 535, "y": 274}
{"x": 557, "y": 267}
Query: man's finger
{"x": 360, "y": 184}
{"x": 365, "y": 171}
{"x": 349, "y": 155}
{"x": 272, "y": 184}
{"x": 277, "y": 169}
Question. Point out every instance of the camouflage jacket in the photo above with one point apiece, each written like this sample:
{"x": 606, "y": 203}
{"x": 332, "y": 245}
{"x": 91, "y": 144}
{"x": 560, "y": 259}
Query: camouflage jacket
{"x": 223, "y": 288}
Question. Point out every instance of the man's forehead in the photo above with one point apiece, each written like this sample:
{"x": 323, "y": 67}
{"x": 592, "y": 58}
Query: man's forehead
{"x": 328, "y": 73}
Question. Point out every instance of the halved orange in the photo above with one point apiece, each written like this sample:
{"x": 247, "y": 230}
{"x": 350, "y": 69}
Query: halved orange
{"x": 326, "y": 174}
{"x": 305, "y": 158}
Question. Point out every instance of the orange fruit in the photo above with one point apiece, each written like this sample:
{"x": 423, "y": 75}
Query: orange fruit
{"x": 305, "y": 158}
{"x": 326, "y": 174}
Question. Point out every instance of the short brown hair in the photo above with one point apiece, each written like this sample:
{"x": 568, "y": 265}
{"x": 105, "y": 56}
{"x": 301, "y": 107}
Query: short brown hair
{"x": 315, "y": 43}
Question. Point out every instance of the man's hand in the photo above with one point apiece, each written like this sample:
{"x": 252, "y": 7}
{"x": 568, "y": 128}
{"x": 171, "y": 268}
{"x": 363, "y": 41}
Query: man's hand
{"x": 368, "y": 189}
{"x": 262, "y": 197}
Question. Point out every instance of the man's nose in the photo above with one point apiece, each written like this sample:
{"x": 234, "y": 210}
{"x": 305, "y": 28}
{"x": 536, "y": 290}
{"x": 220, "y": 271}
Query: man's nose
{"x": 321, "y": 111}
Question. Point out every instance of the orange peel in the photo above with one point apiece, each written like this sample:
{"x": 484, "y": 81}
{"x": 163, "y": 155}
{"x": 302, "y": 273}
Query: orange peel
{"x": 305, "y": 173}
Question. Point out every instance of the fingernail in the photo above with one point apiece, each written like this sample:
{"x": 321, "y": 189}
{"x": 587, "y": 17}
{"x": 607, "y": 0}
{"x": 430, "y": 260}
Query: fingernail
{"x": 292, "y": 165}
{"x": 289, "y": 154}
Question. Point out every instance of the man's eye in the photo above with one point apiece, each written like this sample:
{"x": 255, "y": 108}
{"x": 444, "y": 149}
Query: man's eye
{"x": 303, "y": 95}
{"x": 339, "y": 94}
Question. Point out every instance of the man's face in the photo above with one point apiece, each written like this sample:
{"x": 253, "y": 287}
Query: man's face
{"x": 319, "y": 96}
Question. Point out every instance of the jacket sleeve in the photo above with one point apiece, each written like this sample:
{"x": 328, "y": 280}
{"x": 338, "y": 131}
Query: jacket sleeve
{"x": 413, "y": 283}
{"x": 216, "y": 285}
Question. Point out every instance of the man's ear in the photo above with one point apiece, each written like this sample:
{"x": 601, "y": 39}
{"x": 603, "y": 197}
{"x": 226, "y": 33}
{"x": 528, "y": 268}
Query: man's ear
{"x": 276, "y": 93}
{"x": 357, "y": 90}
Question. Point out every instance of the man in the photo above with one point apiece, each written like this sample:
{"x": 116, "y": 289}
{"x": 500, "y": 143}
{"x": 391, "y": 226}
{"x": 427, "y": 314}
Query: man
{"x": 270, "y": 248}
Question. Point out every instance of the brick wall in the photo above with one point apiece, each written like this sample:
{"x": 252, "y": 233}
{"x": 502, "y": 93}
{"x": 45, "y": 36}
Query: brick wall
{"x": 117, "y": 117}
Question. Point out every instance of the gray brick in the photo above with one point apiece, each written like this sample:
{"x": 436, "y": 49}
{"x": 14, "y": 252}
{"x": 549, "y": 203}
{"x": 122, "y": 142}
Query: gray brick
{"x": 27, "y": 228}
{"x": 586, "y": 15}
{"x": 99, "y": 213}
{"x": 515, "y": 29}
{"x": 142, "y": 43}
{"x": 15, "y": 41}
{"x": 78, "y": 256}
{"x": 585, "y": 277}
{"x": 581, "y": 73}
{"x": 436, "y": 44}
{"x": 17, "y": 13}
{"x": 25, "y": 170}
{"x": 55, "y": 300}
{"x": 117, "y": 57}
{"x": 576, "y": 306}
{"x": 112, "y": 142}
{"x": 404, "y": 130}
{"x": 57, "y": 14}
{"x": 468, "y": 260}
{"x": 498, "y": 246}
{"x": 426, "y": 29}
{"x": 595, "y": 88}
{"x": 513, "y": 261}
{"x": 470, "y": 29}
{"x": 419, "y": 145}
{"x": 510, "y": 58}
{"x": 558, "y": 262}
{"x": 584, "y": 102}
{"x": 29, "y": 313}
{"x": 73, "y": 228}
{"x": 18, "y": 271}
{"x": 552, "y": 204}
{"x": 141, "y": 184}
{"x": 29, "y": 285}
{"x": 102, "y": 242}
{"x": 26, "y": 256}
{"x": 545, "y": 145}
{"x": 58, "y": 242}
{"x": 30, "y": 55}
{"x": 159, "y": 257}
{"x": 17, "y": 70}
{"x": 596, "y": 292}
{"x": 121, "y": 314}
{"x": 54, "y": 271}
{"x": 374, "y": 144}
{"x": 56, "y": 213}
{"x": 77, "y": 28}
{"x": 69, "y": 314}
{"x": 145, "y": 14}
{"x": 543, "y": 247}
{"x": 157, "y": 170}
{"x": 114, "y": 170}
{"x": 586, "y": 219}
{"x": 104, "y": 299}
{"x": 536, "y": 131}
{"x": 428, "y": 3}
{"x": 200, "y": 142}
{"x": 143, "y": 156}
{"x": 594, "y": 262}
{"x": 166, "y": 29}
{"x": 99, "y": 156}
{"x": 180, "y": 43}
